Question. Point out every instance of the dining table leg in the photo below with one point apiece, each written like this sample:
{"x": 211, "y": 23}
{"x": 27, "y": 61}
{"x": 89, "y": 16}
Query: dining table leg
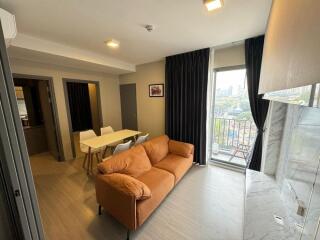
{"x": 89, "y": 160}
{"x": 85, "y": 161}
{"x": 104, "y": 152}
{"x": 91, "y": 166}
{"x": 101, "y": 157}
{"x": 98, "y": 158}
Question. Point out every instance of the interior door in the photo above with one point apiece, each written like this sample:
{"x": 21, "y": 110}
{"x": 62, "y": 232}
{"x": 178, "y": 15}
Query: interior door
{"x": 129, "y": 106}
{"x": 48, "y": 118}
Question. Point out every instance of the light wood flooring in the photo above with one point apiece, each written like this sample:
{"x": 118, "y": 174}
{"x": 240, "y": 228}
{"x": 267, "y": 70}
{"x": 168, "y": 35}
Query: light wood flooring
{"x": 206, "y": 205}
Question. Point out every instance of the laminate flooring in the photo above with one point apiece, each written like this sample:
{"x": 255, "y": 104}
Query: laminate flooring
{"x": 207, "y": 204}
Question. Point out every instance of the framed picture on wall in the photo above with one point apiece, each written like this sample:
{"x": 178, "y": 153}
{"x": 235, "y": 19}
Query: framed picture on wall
{"x": 156, "y": 90}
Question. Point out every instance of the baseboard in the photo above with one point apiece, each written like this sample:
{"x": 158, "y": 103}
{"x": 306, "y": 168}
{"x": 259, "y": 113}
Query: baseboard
{"x": 228, "y": 166}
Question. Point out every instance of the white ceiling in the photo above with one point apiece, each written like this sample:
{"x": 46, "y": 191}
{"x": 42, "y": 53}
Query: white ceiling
{"x": 180, "y": 25}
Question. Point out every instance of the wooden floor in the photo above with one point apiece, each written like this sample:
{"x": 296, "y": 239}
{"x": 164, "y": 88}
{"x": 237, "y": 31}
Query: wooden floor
{"x": 206, "y": 204}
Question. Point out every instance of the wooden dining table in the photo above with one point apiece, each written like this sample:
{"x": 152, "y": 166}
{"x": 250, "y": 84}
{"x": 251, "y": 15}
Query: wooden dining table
{"x": 105, "y": 140}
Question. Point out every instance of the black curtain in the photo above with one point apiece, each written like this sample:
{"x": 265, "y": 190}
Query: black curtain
{"x": 79, "y": 105}
{"x": 186, "y": 99}
{"x": 259, "y": 106}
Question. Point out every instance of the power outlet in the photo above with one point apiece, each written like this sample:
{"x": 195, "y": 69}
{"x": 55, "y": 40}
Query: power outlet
{"x": 301, "y": 208}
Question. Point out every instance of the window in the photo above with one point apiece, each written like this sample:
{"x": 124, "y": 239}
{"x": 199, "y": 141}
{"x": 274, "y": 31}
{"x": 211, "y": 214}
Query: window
{"x": 234, "y": 129}
{"x": 231, "y": 98}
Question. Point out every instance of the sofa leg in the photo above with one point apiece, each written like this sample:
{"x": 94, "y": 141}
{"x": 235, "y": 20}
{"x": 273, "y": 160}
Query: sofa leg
{"x": 99, "y": 211}
{"x": 128, "y": 235}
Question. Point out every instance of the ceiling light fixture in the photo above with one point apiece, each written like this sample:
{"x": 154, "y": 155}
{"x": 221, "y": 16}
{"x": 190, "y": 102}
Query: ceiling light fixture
{"x": 112, "y": 43}
{"x": 213, "y": 4}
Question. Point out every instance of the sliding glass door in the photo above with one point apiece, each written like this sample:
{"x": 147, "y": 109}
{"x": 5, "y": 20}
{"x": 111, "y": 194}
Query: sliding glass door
{"x": 10, "y": 227}
{"x": 234, "y": 130}
{"x": 19, "y": 212}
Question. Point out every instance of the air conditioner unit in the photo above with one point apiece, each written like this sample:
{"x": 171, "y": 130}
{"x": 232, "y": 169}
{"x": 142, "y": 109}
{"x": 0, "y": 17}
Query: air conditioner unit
{"x": 9, "y": 27}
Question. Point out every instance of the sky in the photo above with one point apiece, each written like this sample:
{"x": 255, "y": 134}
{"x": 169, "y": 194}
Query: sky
{"x": 235, "y": 78}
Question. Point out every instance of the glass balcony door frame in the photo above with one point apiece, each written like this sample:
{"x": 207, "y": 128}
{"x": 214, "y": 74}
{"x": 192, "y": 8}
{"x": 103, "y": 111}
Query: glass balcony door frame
{"x": 215, "y": 72}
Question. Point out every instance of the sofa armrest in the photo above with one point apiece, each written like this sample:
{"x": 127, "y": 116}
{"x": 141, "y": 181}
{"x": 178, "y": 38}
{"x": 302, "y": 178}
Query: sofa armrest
{"x": 128, "y": 185}
{"x": 181, "y": 148}
{"x": 119, "y": 203}
{"x": 132, "y": 162}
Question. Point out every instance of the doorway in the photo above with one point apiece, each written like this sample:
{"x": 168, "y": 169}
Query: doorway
{"x": 83, "y": 109}
{"x": 234, "y": 130}
{"x": 129, "y": 106}
{"x": 37, "y": 111}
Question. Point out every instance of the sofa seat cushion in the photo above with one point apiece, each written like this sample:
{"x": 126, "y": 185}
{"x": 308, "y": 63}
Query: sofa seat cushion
{"x": 175, "y": 164}
{"x": 132, "y": 162}
{"x": 160, "y": 183}
{"x": 157, "y": 148}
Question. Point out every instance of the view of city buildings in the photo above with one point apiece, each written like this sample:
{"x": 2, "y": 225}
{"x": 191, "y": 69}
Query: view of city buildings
{"x": 299, "y": 95}
{"x": 234, "y": 129}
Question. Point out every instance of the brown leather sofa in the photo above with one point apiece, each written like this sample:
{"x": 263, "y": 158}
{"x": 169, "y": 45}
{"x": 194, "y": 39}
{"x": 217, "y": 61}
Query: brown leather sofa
{"x": 132, "y": 184}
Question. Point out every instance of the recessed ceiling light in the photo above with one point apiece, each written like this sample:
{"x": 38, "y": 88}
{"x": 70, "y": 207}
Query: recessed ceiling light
{"x": 213, "y": 4}
{"x": 112, "y": 43}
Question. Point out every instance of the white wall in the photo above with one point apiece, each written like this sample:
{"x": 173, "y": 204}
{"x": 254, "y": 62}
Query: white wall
{"x": 109, "y": 91}
{"x": 150, "y": 110}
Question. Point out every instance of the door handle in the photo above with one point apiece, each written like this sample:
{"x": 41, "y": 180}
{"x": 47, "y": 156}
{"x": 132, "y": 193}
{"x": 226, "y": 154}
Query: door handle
{"x": 17, "y": 193}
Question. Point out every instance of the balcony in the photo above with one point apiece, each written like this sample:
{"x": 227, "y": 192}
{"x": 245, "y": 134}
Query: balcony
{"x": 232, "y": 140}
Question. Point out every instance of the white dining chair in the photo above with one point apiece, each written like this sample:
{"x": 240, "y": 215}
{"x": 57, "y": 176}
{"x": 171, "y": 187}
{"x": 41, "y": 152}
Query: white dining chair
{"x": 85, "y": 149}
{"x": 141, "y": 139}
{"x": 105, "y": 131}
{"x": 120, "y": 148}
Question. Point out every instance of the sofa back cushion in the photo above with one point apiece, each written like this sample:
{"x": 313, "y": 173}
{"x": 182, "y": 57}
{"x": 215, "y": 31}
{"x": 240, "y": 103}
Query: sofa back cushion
{"x": 157, "y": 148}
{"x": 132, "y": 162}
{"x": 181, "y": 148}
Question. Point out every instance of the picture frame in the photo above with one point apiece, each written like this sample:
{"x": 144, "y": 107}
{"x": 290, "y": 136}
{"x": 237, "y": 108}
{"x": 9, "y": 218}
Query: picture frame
{"x": 156, "y": 90}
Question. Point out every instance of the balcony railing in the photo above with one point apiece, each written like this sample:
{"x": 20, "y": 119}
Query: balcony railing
{"x": 231, "y": 135}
